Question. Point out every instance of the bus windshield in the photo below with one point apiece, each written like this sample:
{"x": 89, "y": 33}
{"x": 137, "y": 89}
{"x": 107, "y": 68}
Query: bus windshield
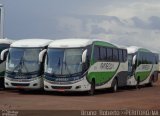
{"x": 23, "y": 59}
{"x": 64, "y": 61}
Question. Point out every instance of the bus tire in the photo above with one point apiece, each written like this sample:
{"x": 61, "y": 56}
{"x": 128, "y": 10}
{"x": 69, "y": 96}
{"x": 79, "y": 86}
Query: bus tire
{"x": 92, "y": 89}
{"x": 138, "y": 83}
{"x": 114, "y": 87}
{"x": 2, "y": 83}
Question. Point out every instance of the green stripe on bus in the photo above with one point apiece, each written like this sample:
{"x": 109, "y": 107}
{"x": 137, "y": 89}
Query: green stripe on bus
{"x": 100, "y": 77}
{"x": 143, "y": 50}
{"x": 142, "y": 75}
{"x": 105, "y": 44}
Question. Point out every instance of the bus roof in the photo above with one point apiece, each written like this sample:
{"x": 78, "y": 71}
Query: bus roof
{"x": 76, "y": 42}
{"x": 5, "y": 41}
{"x": 31, "y": 43}
{"x": 134, "y": 49}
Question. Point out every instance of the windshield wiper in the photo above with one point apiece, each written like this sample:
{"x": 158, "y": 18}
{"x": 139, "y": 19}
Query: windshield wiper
{"x": 20, "y": 65}
{"x": 66, "y": 66}
{"x": 23, "y": 64}
{"x": 59, "y": 62}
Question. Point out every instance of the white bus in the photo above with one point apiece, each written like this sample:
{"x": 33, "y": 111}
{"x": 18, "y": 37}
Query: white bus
{"x": 4, "y": 44}
{"x": 142, "y": 66}
{"x": 84, "y": 65}
{"x": 23, "y": 68}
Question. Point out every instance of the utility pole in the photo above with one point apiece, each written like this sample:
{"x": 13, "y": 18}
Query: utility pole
{"x": 1, "y": 21}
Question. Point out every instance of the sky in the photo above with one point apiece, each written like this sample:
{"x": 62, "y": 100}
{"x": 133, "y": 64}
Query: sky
{"x": 123, "y": 22}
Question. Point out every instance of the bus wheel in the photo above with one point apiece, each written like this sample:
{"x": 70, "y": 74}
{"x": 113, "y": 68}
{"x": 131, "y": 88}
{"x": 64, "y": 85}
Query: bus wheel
{"x": 92, "y": 89}
{"x": 114, "y": 86}
{"x": 138, "y": 83}
{"x": 2, "y": 83}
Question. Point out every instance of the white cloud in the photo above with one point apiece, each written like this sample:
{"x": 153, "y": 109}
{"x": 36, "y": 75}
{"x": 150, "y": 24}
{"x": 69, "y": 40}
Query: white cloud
{"x": 142, "y": 9}
{"x": 124, "y": 32}
{"x": 127, "y": 22}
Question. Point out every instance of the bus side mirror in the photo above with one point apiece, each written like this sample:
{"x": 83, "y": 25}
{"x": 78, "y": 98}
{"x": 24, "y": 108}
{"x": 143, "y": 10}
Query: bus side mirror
{"x": 41, "y": 54}
{"x": 4, "y": 54}
{"x": 84, "y": 55}
{"x": 134, "y": 60}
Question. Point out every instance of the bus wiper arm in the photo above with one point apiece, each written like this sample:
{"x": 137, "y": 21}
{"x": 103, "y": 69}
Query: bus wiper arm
{"x": 19, "y": 64}
{"x": 66, "y": 66}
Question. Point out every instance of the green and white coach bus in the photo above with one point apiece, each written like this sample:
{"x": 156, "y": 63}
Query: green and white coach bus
{"x": 4, "y": 43}
{"x": 84, "y": 65}
{"x": 143, "y": 66}
{"x": 23, "y": 68}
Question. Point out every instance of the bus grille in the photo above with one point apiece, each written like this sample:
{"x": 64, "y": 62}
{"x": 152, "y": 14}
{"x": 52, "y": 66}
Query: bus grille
{"x": 61, "y": 87}
{"x": 20, "y": 84}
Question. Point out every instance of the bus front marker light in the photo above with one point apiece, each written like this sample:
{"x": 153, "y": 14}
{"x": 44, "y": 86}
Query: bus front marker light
{"x": 35, "y": 84}
{"x": 78, "y": 87}
{"x": 46, "y": 86}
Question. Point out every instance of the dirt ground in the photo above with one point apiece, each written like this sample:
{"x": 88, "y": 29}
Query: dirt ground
{"x": 143, "y": 98}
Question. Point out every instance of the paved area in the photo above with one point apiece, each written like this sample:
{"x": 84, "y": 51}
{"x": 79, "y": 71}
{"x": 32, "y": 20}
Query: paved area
{"x": 130, "y": 98}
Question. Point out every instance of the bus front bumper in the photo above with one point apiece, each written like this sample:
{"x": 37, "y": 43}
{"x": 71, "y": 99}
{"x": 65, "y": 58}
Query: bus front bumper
{"x": 82, "y": 85}
{"x": 36, "y": 83}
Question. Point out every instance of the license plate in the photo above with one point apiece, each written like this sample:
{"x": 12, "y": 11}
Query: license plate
{"x": 60, "y": 90}
{"x": 19, "y": 87}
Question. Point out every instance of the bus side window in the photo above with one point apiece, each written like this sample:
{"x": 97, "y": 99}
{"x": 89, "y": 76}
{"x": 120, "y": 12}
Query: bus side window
{"x": 120, "y": 55}
{"x": 148, "y": 58}
{"x": 115, "y": 55}
{"x": 139, "y": 59}
{"x": 124, "y": 55}
{"x": 89, "y": 49}
{"x": 103, "y": 53}
{"x": 157, "y": 58}
{"x": 109, "y": 54}
{"x": 142, "y": 58}
{"x": 96, "y": 53}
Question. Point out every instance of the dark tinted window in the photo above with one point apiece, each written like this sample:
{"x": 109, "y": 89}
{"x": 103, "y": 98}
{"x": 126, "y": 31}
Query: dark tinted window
{"x": 103, "y": 53}
{"x": 139, "y": 59}
{"x": 147, "y": 58}
{"x": 124, "y": 55}
{"x": 115, "y": 54}
{"x": 120, "y": 55}
{"x": 152, "y": 58}
{"x": 109, "y": 54}
{"x": 96, "y": 53}
{"x": 89, "y": 51}
{"x": 157, "y": 58}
